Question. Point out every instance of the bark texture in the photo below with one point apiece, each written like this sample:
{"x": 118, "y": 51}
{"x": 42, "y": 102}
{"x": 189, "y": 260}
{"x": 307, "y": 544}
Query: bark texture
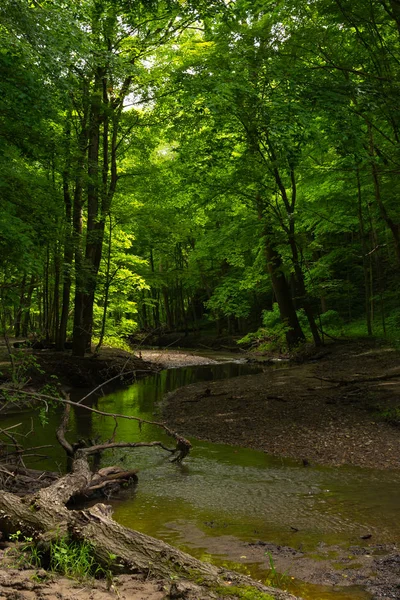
{"x": 45, "y": 515}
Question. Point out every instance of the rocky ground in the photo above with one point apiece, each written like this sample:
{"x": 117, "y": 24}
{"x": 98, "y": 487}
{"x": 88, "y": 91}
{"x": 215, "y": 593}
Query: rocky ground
{"x": 21, "y": 583}
{"x": 16, "y": 584}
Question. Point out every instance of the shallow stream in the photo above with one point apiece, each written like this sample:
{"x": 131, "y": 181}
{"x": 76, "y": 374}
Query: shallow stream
{"x": 223, "y": 496}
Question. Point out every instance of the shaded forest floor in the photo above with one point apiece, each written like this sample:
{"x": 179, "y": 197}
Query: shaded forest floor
{"x": 343, "y": 407}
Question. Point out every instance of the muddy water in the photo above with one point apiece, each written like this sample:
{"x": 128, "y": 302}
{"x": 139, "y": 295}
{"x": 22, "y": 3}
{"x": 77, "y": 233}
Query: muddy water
{"x": 224, "y": 496}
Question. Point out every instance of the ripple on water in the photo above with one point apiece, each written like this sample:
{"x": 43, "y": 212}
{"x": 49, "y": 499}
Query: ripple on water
{"x": 225, "y": 491}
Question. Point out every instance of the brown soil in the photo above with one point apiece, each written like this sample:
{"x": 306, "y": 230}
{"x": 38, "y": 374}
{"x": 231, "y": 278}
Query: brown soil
{"x": 20, "y": 583}
{"x": 26, "y": 585}
{"x": 293, "y": 411}
{"x": 39, "y": 584}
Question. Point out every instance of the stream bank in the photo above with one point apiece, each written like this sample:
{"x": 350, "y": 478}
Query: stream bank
{"x": 340, "y": 409}
{"x": 40, "y": 367}
{"x": 244, "y": 486}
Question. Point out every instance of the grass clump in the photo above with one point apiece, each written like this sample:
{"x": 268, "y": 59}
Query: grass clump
{"x": 73, "y": 559}
{"x": 26, "y": 553}
{"x": 64, "y": 556}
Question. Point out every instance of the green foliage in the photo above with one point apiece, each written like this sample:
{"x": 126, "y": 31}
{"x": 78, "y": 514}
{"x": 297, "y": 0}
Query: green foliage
{"x": 26, "y": 552}
{"x": 392, "y": 325}
{"x": 332, "y": 323}
{"x": 114, "y": 342}
{"x": 23, "y": 364}
{"x": 276, "y": 579}
{"x": 223, "y": 127}
{"x": 391, "y": 415}
{"x": 270, "y": 337}
{"x": 71, "y": 559}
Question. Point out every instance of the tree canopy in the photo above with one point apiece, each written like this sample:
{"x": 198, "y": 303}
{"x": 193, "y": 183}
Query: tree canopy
{"x": 228, "y": 166}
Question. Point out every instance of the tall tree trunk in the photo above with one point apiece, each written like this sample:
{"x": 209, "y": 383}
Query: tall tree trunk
{"x": 282, "y": 292}
{"x": 365, "y": 262}
{"x": 167, "y": 308}
{"x": 95, "y": 226}
{"x": 106, "y": 291}
{"x": 100, "y": 195}
{"x": 78, "y": 337}
{"x": 56, "y": 297}
{"x": 394, "y": 227}
{"x": 301, "y": 288}
{"x": 290, "y": 204}
{"x": 28, "y": 301}
{"x": 68, "y": 249}
{"x": 20, "y": 310}
{"x": 46, "y": 296}
{"x": 78, "y": 347}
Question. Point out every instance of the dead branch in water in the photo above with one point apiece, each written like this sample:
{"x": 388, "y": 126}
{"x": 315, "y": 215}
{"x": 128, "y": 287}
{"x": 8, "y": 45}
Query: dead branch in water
{"x": 183, "y": 445}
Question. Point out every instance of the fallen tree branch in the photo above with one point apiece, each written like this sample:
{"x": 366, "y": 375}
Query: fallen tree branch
{"x": 46, "y": 517}
{"x": 342, "y": 382}
{"x": 183, "y": 445}
{"x": 120, "y": 375}
{"x": 110, "y": 446}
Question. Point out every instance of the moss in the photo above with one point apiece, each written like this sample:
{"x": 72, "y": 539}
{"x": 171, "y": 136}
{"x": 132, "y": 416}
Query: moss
{"x": 244, "y": 593}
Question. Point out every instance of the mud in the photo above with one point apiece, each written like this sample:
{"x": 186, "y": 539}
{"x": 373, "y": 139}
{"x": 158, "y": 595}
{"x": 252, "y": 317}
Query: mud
{"x": 309, "y": 411}
{"x": 340, "y": 406}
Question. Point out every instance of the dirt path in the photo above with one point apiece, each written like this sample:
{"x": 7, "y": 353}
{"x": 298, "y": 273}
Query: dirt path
{"x": 294, "y": 411}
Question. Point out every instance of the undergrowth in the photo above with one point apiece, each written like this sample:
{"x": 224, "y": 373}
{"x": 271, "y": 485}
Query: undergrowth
{"x": 113, "y": 341}
{"x": 271, "y": 336}
{"x": 64, "y": 556}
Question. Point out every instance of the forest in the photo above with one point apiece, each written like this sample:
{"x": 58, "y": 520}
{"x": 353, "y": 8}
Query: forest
{"x": 215, "y": 175}
{"x": 226, "y": 166}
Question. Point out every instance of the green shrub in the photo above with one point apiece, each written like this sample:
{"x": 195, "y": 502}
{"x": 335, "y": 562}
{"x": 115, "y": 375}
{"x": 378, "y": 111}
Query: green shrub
{"x": 332, "y": 322}
{"x": 272, "y": 336}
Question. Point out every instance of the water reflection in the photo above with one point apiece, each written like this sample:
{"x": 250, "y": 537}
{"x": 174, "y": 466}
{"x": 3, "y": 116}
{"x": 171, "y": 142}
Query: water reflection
{"x": 227, "y": 491}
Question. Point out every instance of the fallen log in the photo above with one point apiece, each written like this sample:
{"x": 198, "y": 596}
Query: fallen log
{"x": 45, "y": 516}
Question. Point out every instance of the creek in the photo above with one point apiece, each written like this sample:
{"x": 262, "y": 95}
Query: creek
{"x": 223, "y": 497}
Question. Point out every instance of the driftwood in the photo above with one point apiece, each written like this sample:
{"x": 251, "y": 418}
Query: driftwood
{"x": 183, "y": 445}
{"x": 45, "y": 516}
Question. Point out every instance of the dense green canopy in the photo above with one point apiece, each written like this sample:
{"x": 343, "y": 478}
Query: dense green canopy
{"x": 183, "y": 165}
